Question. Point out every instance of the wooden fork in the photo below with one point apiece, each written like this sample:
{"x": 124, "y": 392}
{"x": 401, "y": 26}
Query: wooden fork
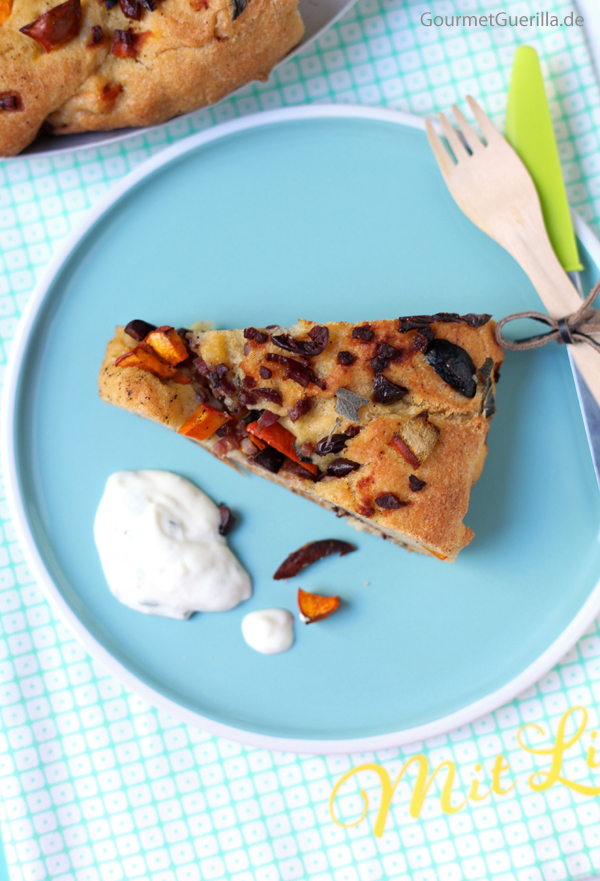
{"x": 493, "y": 188}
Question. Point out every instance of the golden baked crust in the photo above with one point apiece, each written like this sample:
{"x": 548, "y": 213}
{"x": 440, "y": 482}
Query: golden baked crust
{"x": 431, "y": 520}
{"x": 193, "y": 55}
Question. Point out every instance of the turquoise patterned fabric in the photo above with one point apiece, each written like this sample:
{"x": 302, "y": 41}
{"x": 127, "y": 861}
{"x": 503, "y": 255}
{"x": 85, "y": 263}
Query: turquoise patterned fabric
{"x": 95, "y": 785}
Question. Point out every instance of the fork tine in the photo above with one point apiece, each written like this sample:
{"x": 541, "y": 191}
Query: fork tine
{"x": 442, "y": 156}
{"x": 485, "y": 123}
{"x": 458, "y": 148}
{"x": 469, "y": 133}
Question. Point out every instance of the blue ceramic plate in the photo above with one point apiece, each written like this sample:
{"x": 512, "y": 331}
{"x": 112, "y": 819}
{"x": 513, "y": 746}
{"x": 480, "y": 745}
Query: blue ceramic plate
{"x": 326, "y": 214}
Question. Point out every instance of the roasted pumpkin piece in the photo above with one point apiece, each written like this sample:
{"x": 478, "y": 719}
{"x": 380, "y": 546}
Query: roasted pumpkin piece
{"x": 281, "y": 439}
{"x": 167, "y": 343}
{"x": 5, "y": 10}
{"x": 55, "y": 27}
{"x": 204, "y": 422}
{"x": 416, "y": 439}
{"x": 314, "y": 607}
{"x": 146, "y": 359}
{"x": 110, "y": 93}
{"x": 435, "y": 553}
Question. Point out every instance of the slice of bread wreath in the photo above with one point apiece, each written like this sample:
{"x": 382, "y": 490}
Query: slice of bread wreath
{"x": 383, "y": 422}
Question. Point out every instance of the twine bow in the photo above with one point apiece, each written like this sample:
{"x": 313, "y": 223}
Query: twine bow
{"x": 570, "y": 330}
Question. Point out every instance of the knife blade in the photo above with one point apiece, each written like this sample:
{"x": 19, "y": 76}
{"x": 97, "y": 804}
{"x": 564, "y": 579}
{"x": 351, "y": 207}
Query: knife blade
{"x": 529, "y": 131}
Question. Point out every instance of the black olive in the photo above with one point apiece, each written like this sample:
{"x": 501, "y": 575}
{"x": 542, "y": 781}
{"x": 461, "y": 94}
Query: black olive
{"x": 386, "y": 392}
{"x": 453, "y": 365}
{"x": 259, "y": 336}
{"x": 363, "y": 333}
{"x": 420, "y": 322}
{"x": 333, "y": 444}
{"x": 414, "y": 322}
{"x": 252, "y": 416}
{"x": 390, "y": 502}
{"x": 138, "y": 329}
{"x": 319, "y": 338}
{"x": 227, "y": 520}
{"x": 383, "y": 355}
{"x": 341, "y": 467}
{"x": 270, "y": 458}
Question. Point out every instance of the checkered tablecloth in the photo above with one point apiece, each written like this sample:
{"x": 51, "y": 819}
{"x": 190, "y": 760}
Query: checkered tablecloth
{"x": 96, "y": 785}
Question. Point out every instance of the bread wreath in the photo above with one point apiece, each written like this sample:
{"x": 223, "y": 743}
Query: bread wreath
{"x": 95, "y": 65}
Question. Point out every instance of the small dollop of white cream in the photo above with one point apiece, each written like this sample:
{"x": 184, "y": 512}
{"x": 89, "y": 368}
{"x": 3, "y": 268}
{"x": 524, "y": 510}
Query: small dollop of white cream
{"x": 269, "y": 631}
{"x": 158, "y": 539}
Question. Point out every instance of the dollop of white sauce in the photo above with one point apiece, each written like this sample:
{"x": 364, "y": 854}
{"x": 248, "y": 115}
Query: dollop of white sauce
{"x": 269, "y": 631}
{"x": 158, "y": 539}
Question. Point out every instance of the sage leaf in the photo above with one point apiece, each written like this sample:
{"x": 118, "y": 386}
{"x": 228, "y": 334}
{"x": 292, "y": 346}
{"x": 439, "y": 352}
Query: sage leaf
{"x": 348, "y": 404}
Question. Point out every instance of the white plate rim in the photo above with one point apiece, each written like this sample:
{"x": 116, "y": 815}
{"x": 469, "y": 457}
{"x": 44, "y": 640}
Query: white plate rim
{"x": 493, "y": 701}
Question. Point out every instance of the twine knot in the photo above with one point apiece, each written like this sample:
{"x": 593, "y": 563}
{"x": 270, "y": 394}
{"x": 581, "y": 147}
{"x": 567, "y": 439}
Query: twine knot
{"x": 570, "y": 330}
